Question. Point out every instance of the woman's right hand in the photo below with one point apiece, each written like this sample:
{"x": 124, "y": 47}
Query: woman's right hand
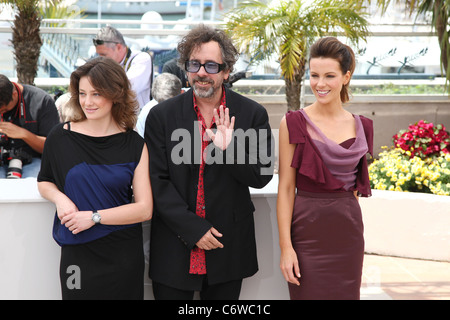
{"x": 289, "y": 266}
{"x": 64, "y": 206}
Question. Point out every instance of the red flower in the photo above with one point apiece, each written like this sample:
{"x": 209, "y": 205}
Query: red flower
{"x": 423, "y": 139}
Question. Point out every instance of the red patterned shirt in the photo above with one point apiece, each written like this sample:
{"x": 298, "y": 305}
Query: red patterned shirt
{"x": 198, "y": 261}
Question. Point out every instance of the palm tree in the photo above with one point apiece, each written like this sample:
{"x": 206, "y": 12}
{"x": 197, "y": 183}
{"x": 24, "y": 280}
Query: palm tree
{"x": 26, "y": 39}
{"x": 288, "y": 27}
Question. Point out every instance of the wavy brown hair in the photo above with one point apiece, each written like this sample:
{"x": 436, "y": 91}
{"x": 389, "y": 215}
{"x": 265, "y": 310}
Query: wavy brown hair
{"x": 330, "y": 47}
{"x": 111, "y": 81}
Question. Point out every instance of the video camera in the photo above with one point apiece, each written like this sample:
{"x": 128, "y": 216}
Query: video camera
{"x": 14, "y": 157}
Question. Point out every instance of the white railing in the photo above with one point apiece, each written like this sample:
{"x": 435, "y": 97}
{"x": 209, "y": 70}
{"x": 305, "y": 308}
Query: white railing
{"x": 165, "y": 30}
{"x": 376, "y": 30}
{"x": 124, "y": 31}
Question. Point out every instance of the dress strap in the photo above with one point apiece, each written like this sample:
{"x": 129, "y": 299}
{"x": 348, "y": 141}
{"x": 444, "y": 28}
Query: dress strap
{"x": 68, "y": 125}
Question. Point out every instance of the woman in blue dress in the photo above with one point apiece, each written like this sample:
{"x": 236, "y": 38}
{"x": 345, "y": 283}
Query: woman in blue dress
{"x": 95, "y": 170}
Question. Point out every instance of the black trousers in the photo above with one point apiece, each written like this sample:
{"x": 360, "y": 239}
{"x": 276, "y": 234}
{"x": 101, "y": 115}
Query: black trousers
{"x": 221, "y": 291}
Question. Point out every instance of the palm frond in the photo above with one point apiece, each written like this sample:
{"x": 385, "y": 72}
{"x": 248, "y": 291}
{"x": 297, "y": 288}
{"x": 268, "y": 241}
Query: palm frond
{"x": 288, "y": 28}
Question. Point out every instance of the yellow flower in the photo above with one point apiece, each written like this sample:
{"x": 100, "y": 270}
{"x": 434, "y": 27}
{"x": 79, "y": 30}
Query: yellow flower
{"x": 395, "y": 170}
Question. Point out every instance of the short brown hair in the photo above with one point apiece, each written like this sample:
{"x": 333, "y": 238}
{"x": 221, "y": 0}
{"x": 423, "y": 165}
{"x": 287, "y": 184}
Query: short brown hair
{"x": 331, "y": 47}
{"x": 111, "y": 81}
{"x": 204, "y": 34}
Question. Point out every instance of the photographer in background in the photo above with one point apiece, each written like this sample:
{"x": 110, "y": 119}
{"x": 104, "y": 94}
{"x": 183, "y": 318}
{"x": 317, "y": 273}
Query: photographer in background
{"x": 109, "y": 42}
{"x": 27, "y": 114}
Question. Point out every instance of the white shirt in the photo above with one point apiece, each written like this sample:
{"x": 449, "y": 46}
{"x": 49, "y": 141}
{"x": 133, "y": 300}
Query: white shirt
{"x": 139, "y": 71}
{"x": 140, "y": 125}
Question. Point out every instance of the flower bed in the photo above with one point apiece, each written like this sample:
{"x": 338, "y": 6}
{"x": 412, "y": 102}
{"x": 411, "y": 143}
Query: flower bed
{"x": 423, "y": 139}
{"x": 419, "y": 161}
{"x": 411, "y": 223}
{"x": 396, "y": 171}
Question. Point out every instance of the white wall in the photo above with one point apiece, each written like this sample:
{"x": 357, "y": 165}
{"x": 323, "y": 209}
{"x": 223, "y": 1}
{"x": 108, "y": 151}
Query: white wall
{"x": 29, "y": 257}
{"x": 407, "y": 224}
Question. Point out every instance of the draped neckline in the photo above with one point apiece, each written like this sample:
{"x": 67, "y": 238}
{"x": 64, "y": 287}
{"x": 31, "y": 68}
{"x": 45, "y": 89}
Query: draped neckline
{"x": 342, "y": 162}
{"x": 324, "y": 136}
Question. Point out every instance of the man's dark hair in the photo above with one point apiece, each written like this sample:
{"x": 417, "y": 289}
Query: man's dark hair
{"x": 6, "y": 90}
{"x": 204, "y": 34}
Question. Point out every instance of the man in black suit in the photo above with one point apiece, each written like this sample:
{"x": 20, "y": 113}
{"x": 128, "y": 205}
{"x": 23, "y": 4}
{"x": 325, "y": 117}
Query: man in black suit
{"x": 207, "y": 147}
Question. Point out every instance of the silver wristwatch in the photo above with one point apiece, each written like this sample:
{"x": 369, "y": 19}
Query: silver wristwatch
{"x": 96, "y": 217}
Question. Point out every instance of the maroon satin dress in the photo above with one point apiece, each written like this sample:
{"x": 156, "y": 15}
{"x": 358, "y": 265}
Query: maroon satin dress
{"x": 327, "y": 227}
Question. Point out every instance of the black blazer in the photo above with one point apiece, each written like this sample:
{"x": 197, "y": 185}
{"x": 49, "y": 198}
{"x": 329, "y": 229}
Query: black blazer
{"x": 173, "y": 139}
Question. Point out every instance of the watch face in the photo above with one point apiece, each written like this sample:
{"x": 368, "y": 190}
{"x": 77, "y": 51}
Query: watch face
{"x": 96, "y": 217}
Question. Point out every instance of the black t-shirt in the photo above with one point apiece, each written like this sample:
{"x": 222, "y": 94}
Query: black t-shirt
{"x": 94, "y": 172}
{"x": 38, "y": 116}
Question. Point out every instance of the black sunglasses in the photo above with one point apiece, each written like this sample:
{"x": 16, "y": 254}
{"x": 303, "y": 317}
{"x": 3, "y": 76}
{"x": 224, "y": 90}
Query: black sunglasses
{"x": 210, "y": 67}
{"x": 98, "y": 42}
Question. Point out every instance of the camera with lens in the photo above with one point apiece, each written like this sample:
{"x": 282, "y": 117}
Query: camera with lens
{"x": 14, "y": 157}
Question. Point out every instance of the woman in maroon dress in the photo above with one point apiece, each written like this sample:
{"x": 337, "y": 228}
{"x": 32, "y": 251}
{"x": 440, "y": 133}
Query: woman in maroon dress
{"x": 322, "y": 171}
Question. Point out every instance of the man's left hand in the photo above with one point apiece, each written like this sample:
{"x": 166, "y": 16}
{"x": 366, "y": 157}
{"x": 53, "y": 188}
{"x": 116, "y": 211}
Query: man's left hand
{"x": 225, "y": 126}
{"x": 11, "y": 130}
